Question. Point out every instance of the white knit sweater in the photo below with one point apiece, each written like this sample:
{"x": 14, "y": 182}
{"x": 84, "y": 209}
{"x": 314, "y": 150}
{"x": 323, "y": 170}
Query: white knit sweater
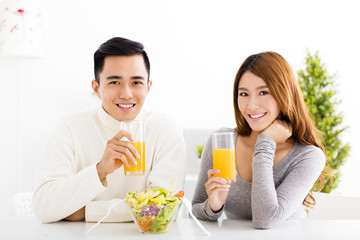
{"x": 67, "y": 178}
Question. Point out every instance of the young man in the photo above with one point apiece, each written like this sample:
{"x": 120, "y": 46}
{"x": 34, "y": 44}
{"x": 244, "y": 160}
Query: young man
{"x": 81, "y": 173}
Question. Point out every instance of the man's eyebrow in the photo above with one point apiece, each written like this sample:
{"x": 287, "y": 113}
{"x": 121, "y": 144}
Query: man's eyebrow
{"x": 113, "y": 77}
{"x": 118, "y": 77}
{"x": 138, "y": 77}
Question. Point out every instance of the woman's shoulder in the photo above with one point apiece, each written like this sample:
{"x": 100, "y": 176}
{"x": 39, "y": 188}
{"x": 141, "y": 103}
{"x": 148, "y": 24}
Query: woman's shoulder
{"x": 307, "y": 149}
{"x": 309, "y": 152}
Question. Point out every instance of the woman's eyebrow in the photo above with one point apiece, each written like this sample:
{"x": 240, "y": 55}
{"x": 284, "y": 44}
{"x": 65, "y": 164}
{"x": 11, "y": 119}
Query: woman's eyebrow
{"x": 258, "y": 88}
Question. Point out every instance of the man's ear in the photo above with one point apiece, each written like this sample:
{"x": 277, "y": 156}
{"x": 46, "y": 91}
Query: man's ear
{"x": 149, "y": 85}
{"x": 95, "y": 87}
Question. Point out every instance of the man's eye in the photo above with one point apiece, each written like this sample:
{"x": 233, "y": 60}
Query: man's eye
{"x": 137, "y": 82}
{"x": 114, "y": 82}
{"x": 243, "y": 94}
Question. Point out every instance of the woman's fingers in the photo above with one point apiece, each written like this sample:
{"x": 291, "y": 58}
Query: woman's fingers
{"x": 216, "y": 186}
{"x": 215, "y": 183}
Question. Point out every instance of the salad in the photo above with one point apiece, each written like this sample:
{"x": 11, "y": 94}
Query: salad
{"x": 154, "y": 209}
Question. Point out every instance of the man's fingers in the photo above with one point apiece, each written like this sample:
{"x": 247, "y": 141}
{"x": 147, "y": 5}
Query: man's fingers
{"x": 126, "y": 148}
{"x": 126, "y": 155}
{"x": 123, "y": 133}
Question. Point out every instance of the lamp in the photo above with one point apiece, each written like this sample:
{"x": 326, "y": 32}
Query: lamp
{"x": 20, "y": 29}
{"x": 20, "y": 37}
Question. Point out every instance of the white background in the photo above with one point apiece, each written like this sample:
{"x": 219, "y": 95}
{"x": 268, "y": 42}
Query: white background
{"x": 195, "y": 49}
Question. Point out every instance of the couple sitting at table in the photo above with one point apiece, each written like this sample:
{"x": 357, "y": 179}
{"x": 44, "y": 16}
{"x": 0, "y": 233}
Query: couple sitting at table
{"x": 279, "y": 156}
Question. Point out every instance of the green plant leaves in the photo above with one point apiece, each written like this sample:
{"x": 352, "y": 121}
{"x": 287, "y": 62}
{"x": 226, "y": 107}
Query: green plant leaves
{"x": 320, "y": 97}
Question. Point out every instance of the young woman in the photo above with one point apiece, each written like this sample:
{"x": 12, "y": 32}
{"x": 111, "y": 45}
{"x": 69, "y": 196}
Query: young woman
{"x": 279, "y": 156}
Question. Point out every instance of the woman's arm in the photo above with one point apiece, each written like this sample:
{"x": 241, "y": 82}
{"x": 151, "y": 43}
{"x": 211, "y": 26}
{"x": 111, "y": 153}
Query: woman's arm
{"x": 200, "y": 203}
{"x": 272, "y": 205}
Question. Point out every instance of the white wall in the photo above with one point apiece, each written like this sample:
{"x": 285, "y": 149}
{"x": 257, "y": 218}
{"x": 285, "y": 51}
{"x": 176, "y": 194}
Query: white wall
{"x": 195, "y": 48}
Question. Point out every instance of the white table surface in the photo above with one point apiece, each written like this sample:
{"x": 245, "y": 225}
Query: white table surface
{"x": 14, "y": 227}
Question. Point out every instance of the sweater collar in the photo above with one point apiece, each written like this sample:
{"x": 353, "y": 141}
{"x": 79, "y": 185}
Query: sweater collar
{"x": 111, "y": 122}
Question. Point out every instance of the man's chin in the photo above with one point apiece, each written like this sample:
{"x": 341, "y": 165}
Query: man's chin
{"x": 125, "y": 117}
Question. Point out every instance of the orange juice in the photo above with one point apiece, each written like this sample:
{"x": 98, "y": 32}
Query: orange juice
{"x": 224, "y": 160}
{"x": 140, "y": 168}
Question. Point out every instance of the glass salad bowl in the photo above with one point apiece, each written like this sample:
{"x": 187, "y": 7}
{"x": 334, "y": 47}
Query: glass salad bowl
{"x": 154, "y": 209}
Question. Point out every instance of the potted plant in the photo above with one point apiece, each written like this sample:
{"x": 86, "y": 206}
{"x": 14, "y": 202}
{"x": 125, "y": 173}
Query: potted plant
{"x": 199, "y": 149}
{"x": 319, "y": 92}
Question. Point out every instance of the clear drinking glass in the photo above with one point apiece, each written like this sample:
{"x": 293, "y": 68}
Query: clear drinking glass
{"x": 136, "y": 128}
{"x": 223, "y": 144}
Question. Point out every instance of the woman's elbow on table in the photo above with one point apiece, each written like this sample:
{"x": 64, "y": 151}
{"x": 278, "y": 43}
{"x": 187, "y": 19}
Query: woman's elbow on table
{"x": 263, "y": 223}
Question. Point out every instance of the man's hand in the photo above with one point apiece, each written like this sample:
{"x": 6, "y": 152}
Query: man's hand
{"x": 114, "y": 155}
{"x": 77, "y": 216}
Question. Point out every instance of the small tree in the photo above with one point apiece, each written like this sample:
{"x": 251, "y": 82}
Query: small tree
{"x": 319, "y": 95}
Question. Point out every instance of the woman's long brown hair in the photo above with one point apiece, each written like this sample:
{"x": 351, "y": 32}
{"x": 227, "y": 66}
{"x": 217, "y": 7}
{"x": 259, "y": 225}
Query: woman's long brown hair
{"x": 281, "y": 81}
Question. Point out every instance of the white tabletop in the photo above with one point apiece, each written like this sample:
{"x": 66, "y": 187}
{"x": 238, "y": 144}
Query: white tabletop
{"x": 30, "y": 228}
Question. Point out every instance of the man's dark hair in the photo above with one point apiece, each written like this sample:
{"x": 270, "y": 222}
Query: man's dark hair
{"x": 118, "y": 46}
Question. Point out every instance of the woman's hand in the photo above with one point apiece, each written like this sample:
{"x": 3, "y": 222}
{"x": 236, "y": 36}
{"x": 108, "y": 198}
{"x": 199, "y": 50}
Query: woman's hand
{"x": 217, "y": 190}
{"x": 114, "y": 155}
{"x": 279, "y": 131}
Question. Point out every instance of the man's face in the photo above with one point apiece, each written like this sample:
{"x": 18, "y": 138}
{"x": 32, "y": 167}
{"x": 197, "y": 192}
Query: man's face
{"x": 123, "y": 86}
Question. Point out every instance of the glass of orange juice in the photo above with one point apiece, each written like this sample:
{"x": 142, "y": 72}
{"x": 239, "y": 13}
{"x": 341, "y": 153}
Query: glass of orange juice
{"x": 136, "y": 128}
{"x": 223, "y": 145}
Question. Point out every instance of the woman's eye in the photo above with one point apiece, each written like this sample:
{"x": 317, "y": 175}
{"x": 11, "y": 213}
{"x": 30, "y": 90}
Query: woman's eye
{"x": 264, "y": 92}
{"x": 243, "y": 94}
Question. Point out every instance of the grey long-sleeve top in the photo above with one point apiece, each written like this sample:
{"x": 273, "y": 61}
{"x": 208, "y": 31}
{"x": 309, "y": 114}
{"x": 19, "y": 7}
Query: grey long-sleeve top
{"x": 275, "y": 193}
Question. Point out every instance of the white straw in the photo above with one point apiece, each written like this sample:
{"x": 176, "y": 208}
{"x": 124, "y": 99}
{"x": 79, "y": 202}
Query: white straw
{"x": 107, "y": 214}
{"x": 189, "y": 208}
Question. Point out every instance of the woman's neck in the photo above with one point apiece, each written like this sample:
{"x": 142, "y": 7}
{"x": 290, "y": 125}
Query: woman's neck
{"x": 252, "y": 138}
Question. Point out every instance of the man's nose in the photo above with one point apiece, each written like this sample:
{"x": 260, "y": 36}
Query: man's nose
{"x": 126, "y": 92}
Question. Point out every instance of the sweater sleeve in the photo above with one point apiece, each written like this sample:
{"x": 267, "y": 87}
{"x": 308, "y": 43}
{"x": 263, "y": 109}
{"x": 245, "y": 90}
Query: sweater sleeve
{"x": 61, "y": 188}
{"x": 168, "y": 166}
{"x": 200, "y": 205}
{"x": 272, "y": 205}
{"x": 169, "y": 157}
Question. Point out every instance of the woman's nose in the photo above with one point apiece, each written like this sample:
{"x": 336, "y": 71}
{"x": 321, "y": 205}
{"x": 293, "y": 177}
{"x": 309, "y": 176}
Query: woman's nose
{"x": 253, "y": 103}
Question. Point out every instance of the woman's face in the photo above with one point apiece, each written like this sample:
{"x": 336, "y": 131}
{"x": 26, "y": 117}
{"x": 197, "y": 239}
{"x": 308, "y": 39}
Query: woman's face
{"x": 256, "y": 103}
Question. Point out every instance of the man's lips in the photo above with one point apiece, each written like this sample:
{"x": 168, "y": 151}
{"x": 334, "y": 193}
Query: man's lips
{"x": 126, "y": 107}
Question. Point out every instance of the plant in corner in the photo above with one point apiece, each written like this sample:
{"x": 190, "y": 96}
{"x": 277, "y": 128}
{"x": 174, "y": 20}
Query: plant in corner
{"x": 199, "y": 149}
{"x": 320, "y": 97}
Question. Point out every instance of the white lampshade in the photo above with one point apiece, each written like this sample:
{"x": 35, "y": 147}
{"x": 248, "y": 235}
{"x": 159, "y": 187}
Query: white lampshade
{"x": 20, "y": 29}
